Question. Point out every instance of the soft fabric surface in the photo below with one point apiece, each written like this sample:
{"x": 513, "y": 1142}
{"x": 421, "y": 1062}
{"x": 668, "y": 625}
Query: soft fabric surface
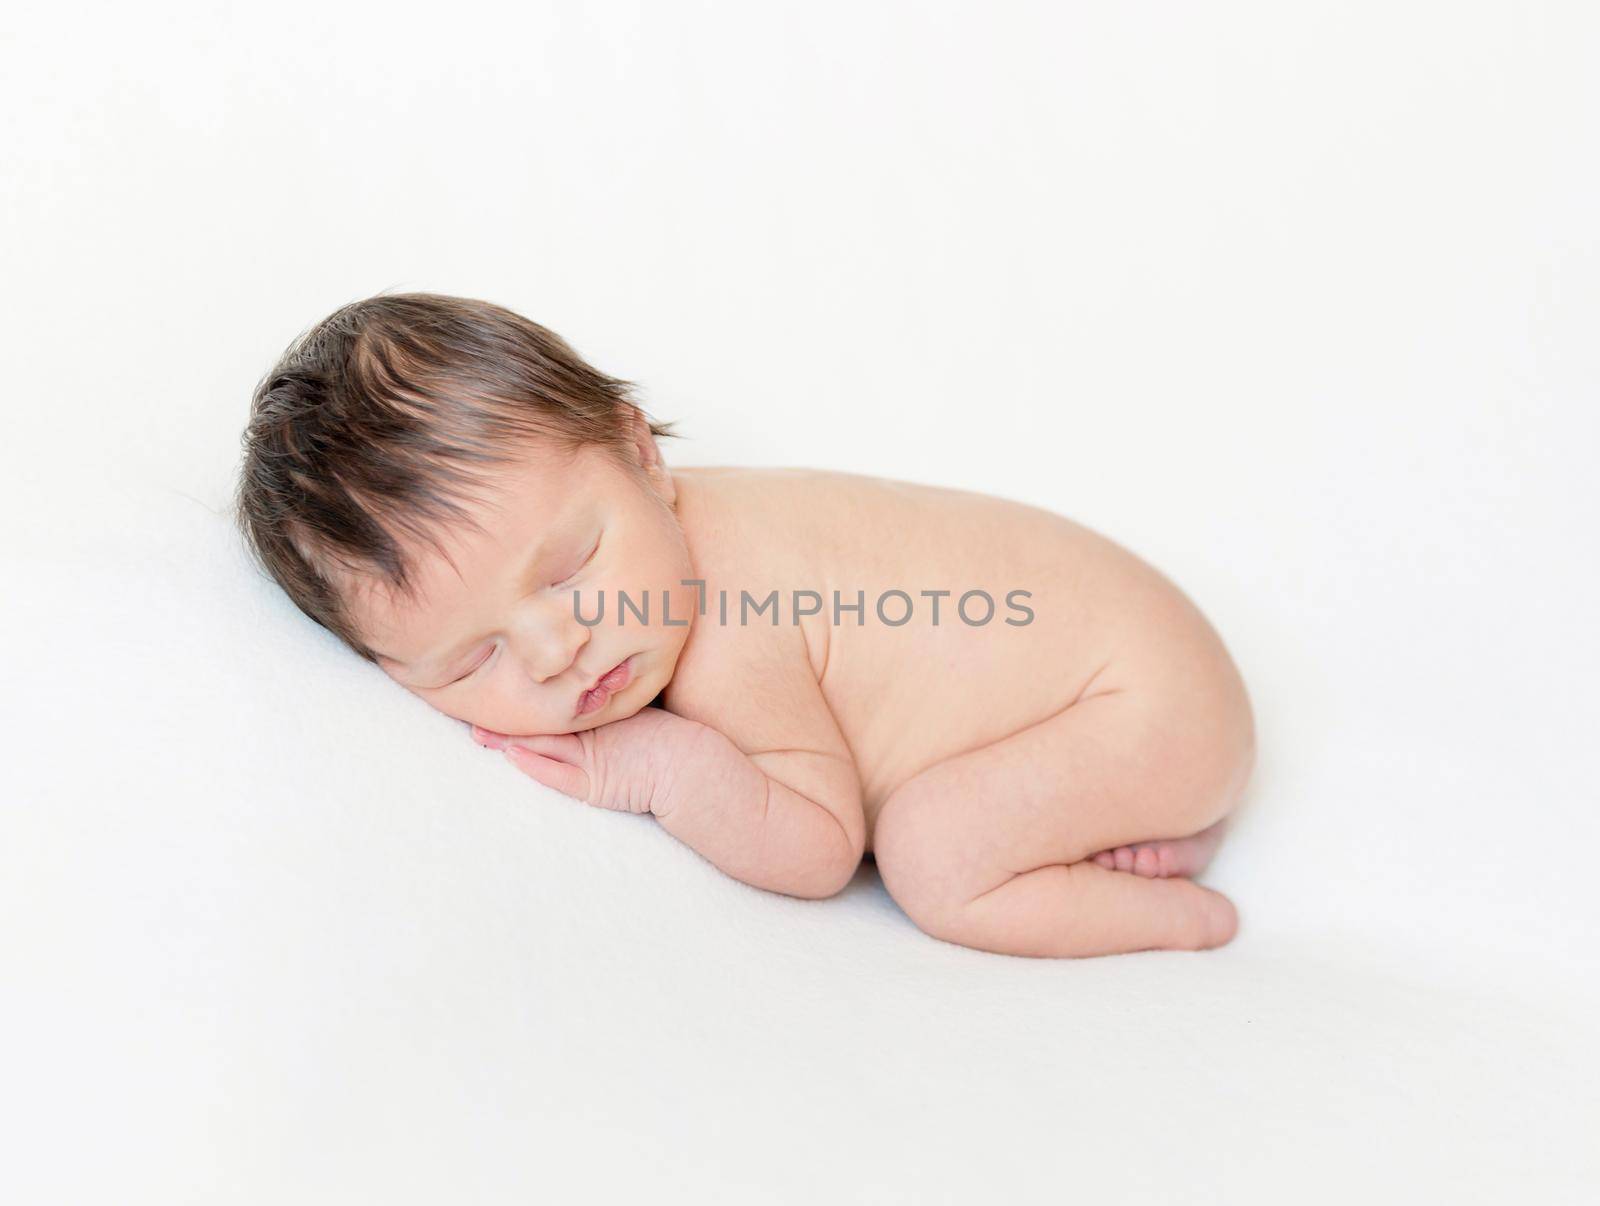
{"x": 278, "y": 931}
{"x": 1300, "y": 307}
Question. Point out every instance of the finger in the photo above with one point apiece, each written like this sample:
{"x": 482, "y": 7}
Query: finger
{"x": 566, "y": 779}
{"x": 563, "y": 747}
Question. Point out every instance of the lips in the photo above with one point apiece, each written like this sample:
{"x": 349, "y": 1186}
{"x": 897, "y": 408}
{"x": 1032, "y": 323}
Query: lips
{"x": 608, "y": 684}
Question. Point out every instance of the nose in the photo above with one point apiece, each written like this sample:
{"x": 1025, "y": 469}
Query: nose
{"x": 548, "y": 639}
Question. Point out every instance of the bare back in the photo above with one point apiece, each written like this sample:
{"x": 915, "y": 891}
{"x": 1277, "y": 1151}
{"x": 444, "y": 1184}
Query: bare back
{"x": 1064, "y": 605}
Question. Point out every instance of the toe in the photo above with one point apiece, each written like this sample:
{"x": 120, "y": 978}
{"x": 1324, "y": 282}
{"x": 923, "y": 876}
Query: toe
{"x": 1167, "y": 861}
{"x": 1222, "y": 920}
{"x": 1145, "y": 862}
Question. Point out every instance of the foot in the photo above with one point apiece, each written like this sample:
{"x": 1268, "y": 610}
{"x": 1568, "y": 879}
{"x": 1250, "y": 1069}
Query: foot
{"x": 1167, "y": 858}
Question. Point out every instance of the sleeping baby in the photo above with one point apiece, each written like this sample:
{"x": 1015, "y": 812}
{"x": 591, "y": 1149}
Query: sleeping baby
{"x": 1034, "y": 734}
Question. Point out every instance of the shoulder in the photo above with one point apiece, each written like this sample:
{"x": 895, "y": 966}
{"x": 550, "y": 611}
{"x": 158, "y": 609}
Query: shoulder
{"x": 746, "y": 668}
{"x": 761, "y": 526}
{"x": 738, "y": 663}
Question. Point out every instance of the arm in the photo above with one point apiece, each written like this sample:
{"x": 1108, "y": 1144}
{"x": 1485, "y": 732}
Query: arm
{"x": 764, "y": 787}
{"x": 770, "y": 794}
{"x": 787, "y": 820}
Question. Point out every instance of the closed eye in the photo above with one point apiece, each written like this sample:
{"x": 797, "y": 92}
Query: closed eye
{"x": 479, "y": 666}
{"x": 595, "y": 548}
{"x": 588, "y": 557}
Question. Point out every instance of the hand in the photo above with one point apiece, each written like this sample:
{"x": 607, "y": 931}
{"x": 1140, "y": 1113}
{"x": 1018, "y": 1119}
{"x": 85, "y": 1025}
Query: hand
{"x": 624, "y": 766}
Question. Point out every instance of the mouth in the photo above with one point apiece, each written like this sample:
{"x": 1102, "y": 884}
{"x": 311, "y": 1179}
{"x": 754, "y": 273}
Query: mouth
{"x": 608, "y": 684}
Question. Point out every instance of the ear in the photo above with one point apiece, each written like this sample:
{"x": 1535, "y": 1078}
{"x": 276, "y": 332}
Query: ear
{"x": 648, "y": 456}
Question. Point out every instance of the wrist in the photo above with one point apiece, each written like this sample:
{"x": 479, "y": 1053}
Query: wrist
{"x": 673, "y": 742}
{"x": 697, "y": 764}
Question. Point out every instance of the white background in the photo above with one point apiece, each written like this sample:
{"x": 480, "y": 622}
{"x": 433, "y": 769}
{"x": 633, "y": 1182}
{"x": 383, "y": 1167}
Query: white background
{"x": 1299, "y": 302}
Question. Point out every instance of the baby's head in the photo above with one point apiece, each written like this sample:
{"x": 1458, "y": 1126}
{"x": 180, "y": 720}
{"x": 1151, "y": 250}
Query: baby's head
{"x": 433, "y": 478}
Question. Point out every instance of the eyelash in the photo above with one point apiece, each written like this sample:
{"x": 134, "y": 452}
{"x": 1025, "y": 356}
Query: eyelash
{"x": 587, "y": 558}
{"x": 590, "y": 557}
{"x": 471, "y": 672}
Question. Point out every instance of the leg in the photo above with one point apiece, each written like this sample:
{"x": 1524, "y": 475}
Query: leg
{"x": 993, "y": 849}
{"x": 1078, "y": 909}
{"x": 1166, "y": 858}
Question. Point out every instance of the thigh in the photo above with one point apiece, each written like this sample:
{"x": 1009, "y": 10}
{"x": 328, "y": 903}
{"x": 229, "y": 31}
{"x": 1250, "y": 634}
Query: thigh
{"x": 1132, "y": 762}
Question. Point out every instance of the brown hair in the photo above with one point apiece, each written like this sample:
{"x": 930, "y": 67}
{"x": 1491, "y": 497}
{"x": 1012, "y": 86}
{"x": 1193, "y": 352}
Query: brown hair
{"x": 386, "y": 417}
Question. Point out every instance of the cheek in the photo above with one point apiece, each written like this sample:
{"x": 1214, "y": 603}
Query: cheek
{"x": 675, "y": 567}
{"x": 654, "y": 562}
{"x": 486, "y": 709}
{"x": 685, "y": 600}
{"x": 684, "y": 608}
{"x": 670, "y": 558}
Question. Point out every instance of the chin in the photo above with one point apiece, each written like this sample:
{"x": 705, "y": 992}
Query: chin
{"x": 608, "y": 714}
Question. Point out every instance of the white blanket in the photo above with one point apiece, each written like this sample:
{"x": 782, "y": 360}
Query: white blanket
{"x": 1298, "y": 305}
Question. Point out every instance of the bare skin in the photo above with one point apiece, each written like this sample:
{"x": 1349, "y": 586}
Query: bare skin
{"x": 1045, "y": 787}
{"x": 1161, "y": 860}
{"x": 1041, "y": 789}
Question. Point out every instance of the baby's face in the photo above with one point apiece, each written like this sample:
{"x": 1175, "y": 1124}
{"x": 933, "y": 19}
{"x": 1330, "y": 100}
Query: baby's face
{"x": 499, "y": 645}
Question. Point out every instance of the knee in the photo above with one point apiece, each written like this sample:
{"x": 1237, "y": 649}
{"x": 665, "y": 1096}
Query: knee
{"x": 1227, "y": 761}
{"x": 1198, "y": 762}
{"x": 925, "y": 869}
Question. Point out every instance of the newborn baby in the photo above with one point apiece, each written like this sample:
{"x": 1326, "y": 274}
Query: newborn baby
{"x": 1035, "y": 734}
